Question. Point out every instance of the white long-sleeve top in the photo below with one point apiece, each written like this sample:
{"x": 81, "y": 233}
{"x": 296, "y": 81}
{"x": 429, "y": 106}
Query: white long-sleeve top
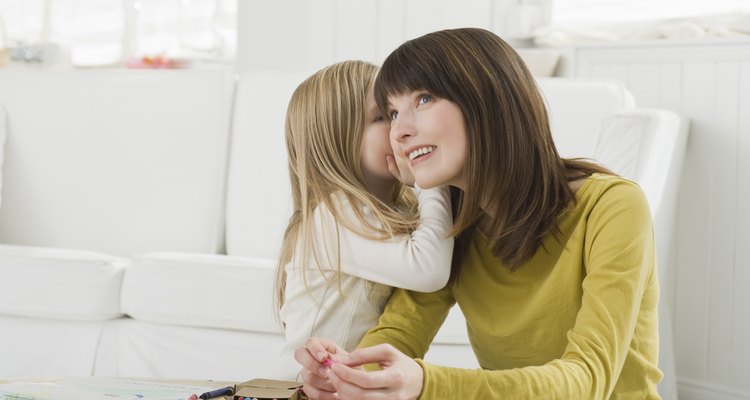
{"x": 344, "y": 310}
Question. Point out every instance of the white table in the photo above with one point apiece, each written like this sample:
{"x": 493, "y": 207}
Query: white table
{"x": 99, "y": 388}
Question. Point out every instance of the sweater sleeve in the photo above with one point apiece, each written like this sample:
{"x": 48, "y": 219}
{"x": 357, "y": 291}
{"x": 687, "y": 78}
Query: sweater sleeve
{"x": 620, "y": 262}
{"x": 411, "y": 320}
{"x": 419, "y": 261}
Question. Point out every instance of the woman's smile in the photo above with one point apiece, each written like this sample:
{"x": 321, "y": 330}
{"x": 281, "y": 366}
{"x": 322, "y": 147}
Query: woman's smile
{"x": 418, "y": 153}
{"x": 430, "y": 132}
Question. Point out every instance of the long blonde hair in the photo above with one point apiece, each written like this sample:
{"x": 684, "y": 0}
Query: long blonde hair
{"x": 325, "y": 121}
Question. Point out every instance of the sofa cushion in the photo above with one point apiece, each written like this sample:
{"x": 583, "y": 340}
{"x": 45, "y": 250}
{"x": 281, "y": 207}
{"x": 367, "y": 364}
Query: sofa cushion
{"x": 577, "y": 108}
{"x": 59, "y": 283}
{"x": 620, "y": 141}
{"x": 202, "y": 291}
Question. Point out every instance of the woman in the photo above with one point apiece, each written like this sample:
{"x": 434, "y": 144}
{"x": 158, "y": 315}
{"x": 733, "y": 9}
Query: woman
{"x": 554, "y": 266}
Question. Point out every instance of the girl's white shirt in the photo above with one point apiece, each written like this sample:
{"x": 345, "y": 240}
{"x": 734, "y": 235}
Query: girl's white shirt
{"x": 344, "y": 310}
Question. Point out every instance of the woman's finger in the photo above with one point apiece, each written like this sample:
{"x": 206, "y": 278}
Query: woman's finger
{"x": 358, "y": 377}
{"x": 400, "y": 376}
{"x": 318, "y": 383}
{"x": 352, "y": 391}
{"x": 379, "y": 354}
{"x": 314, "y": 393}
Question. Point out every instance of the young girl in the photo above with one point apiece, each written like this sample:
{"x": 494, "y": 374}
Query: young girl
{"x": 355, "y": 232}
{"x": 555, "y": 262}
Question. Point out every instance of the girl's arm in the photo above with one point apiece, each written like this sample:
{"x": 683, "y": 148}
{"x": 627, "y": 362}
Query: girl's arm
{"x": 419, "y": 261}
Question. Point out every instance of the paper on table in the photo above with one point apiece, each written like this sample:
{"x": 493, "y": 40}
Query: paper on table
{"x": 97, "y": 388}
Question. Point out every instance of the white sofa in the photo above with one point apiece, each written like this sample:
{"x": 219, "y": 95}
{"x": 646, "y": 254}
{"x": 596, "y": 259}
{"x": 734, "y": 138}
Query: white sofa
{"x": 141, "y": 213}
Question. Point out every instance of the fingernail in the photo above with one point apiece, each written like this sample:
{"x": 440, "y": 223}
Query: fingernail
{"x": 322, "y": 355}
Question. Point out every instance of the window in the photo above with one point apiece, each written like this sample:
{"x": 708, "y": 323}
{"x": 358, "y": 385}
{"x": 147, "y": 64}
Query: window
{"x": 641, "y": 10}
{"x": 114, "y": 32}
{"x": 578, "y": 21}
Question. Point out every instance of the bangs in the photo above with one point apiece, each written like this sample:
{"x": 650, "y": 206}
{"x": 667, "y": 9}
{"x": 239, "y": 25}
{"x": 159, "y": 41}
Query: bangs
{"x": 412, "y": 68}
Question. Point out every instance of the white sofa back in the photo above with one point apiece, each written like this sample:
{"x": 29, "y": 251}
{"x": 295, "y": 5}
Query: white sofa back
{"x": 577, "y": 108}
{"x": 259, "y": 194}
{"x": 115, "y": 161}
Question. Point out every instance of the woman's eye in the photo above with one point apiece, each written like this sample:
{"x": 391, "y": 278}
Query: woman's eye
{"x": 425, "y": 98}
{"x": 393, "y": 115}
{"x": 379, "y": 118}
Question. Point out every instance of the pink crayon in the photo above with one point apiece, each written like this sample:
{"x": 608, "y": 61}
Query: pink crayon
{"x": 328, "y": 362}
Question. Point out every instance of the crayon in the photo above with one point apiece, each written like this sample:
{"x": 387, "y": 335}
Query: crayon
{"x": 225, "y": 391}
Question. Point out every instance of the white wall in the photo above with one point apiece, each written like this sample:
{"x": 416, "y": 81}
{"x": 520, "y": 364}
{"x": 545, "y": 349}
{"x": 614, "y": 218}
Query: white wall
{"x": 304, "y": 35}
{"x": 710, "y": 84}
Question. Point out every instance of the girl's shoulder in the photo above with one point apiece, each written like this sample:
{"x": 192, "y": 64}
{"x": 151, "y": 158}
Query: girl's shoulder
{"x": 340, "y": 209}
{"x": 335, "y": 206}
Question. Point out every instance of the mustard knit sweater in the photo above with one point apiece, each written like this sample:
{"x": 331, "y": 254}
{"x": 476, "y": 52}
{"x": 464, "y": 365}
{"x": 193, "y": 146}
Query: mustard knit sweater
{"x": 577, "y": 321}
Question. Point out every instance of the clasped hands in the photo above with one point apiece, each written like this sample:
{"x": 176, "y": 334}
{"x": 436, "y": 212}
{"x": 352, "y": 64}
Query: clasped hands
{"x": 330, "y": 373}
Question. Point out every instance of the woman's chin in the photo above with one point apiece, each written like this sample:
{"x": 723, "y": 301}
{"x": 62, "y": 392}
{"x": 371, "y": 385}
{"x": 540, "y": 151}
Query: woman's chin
{"x": 425, "y": 184}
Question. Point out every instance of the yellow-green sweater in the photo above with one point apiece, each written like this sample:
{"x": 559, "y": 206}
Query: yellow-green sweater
{"x": 577, "y": 321}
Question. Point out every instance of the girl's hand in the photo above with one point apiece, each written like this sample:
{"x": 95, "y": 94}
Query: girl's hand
{"x": 400, "y": 377}
{"x": 316, "y": 357}
{"x": 399, "y": 168}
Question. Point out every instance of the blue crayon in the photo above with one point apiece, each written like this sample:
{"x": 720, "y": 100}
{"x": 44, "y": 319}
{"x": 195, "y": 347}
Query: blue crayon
{"x": 225, "y": 391}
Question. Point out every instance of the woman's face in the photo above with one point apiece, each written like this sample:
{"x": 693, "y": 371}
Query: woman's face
{"x": 430, "y": 133}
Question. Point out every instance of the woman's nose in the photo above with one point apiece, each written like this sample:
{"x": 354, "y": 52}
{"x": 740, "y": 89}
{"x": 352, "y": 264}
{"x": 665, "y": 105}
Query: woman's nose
{"x": 402, "y": 128}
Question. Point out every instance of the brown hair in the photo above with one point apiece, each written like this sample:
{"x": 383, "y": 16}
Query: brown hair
{"x": 517, "y": 185}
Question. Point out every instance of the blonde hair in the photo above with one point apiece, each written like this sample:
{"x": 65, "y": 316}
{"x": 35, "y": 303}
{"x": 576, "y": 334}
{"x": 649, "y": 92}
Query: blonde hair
{"x": 325, "y": 121}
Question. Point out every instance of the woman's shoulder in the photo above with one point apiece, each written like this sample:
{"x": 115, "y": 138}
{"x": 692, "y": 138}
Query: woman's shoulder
{"x": 600, "y": 186}
{"x": 609, "y": 193}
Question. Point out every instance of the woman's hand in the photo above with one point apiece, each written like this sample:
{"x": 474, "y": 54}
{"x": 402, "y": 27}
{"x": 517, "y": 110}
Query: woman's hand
{"x": 400, "y": 377}
{"x": 316, "y": 357}
{"x": 399, "y": 168}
